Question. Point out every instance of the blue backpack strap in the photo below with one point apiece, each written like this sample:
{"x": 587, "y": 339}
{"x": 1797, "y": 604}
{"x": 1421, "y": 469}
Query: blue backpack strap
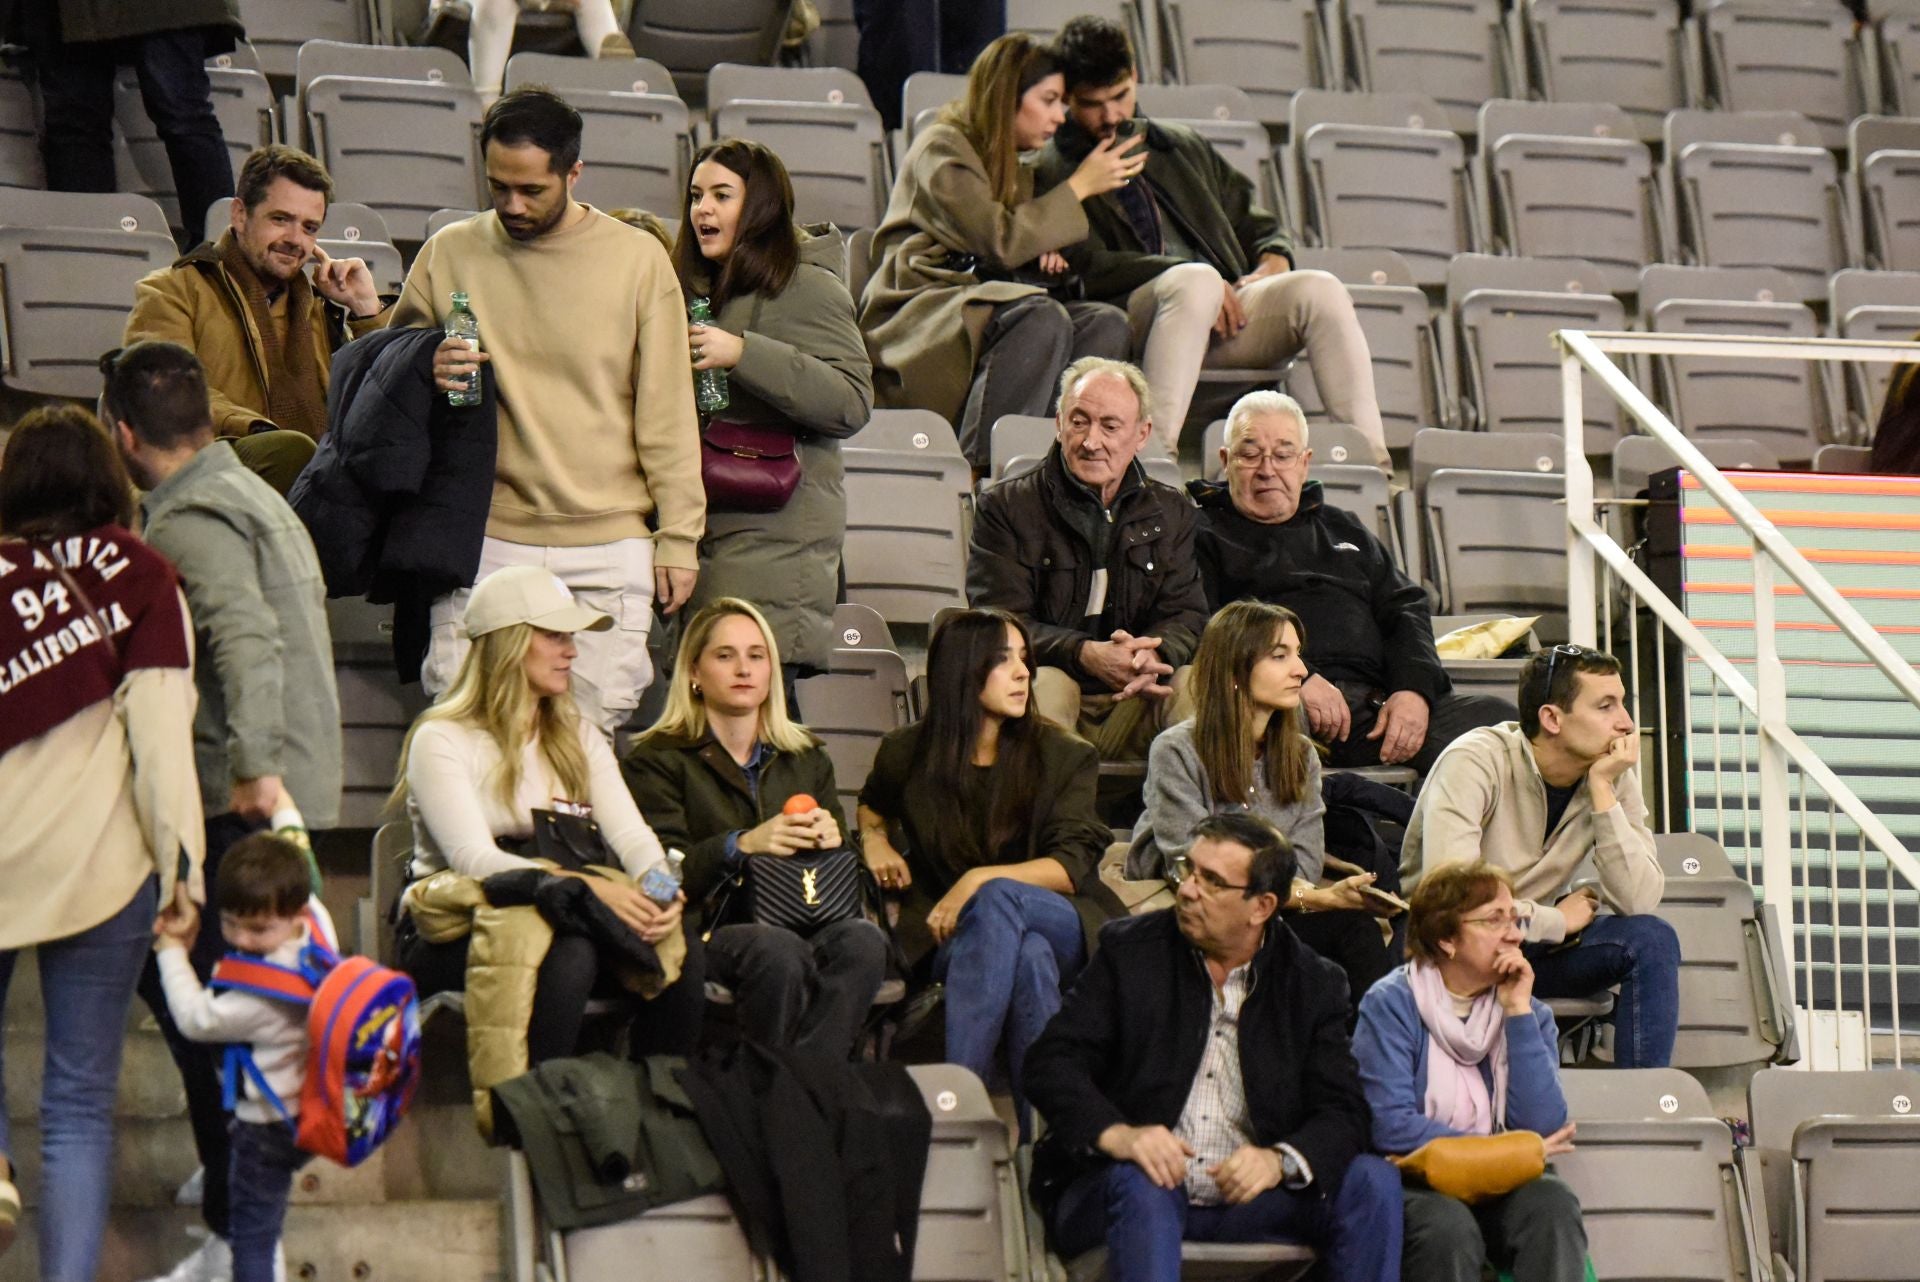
{"x": 239, "y": 1059}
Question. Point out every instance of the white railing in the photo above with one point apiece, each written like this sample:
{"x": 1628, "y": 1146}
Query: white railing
{"x": 1846, "y": 959}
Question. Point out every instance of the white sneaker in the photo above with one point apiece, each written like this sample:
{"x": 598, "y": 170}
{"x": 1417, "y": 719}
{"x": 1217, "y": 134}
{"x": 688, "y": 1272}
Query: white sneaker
{"x": 193, "y": 1192}
{"x": 213, "y": 1262}
{"x": 279, "y": 1262}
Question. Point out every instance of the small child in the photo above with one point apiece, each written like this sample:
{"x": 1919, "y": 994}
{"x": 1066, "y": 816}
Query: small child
{"x": 262, "y": 893}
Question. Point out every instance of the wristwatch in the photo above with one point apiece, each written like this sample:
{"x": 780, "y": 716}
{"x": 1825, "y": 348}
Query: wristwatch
{"x": 1290, "y": 1171}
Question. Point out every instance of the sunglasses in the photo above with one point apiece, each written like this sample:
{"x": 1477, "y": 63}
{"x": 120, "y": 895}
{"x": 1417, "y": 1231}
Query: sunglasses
{"x": 1570, "y": 650}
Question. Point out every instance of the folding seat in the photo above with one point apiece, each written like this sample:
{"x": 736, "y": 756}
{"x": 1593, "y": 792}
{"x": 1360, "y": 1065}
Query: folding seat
{"x": 1571, "y": 180}
{"x": 907, "y": 488}
{"x": 836, "y": 154}
{"x": 243, "y": 101}
{"x": 636, "y": 144}
{"x": 1654, "y": 1171}
{"x": 857, "y": 627}
{"x": 346, "y": 220}
{"x": 1637, "y": 458}
{"x": 1272, "y": 49}
{"x": 1880, "y": 307}
{"x": 1830, "y": 1172}
{"x": 837, "y": 42}
{"x": 605, "y": 75}
{"x": 1851, "y": 459}
{"x": 1900, "y": 59}
{"x": 1042, "y": 19}
{"x": 20, "y": 163}
{"x": 1018, "y": 436}
{"x": 382, "y": 62}
{"x": 405, "y": 147}
{"x": 1784, "y": 405}
{"x": 1408, "y": 378}
{"x": 737, "y": 82}
{"x": 1453, "y": 51}
{"x": 1884, "y": 160}
{"x": 920, "y": 98}
{"x": 69, "y": 263}
{"x": 1496, "y": 536}
{"x": 852, "y": 706}
{"x": 277, "y": 28}
{"x": 1745, "y": 202}
{"x": 690, "y": 36}
{"x": 1627, "y": 52}
{"x": 1781, "y": 55}
{"x": 1226, "y": 117}
{"x": 1380, "y": 171}
{"x": 446, "y": 217}
{"x": 387, "y": 873}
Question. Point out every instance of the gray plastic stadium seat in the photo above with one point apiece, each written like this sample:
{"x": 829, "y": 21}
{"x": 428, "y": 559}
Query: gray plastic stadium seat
{"x": 386, "y": 875}
{"x": 1664, "y": 281}
{"x": 1852, "y": 459}
{"x": 1498, "y": 540}
{"x": 690, "y": 36}
{"x": 1271, "y": 49}
{"x": 1830, "y": 1173}
{"x": 1570, "y": 180}
{"x": 446, "y": 218}
{"x": 1402, "y": 338}
{"x": 1764, "y": 55}
{"x": 1621, "y": 51}
{"x": 1362, "y": 489}
{"x": 241, "y": 99}
{"x": 1733, "y": 1008}
{"x": 924, "y": 94}
{"x": 1750, "y": 206}
{"x": 1889, "y": 197}
{"x": 346, "y": 220}
{"x": 406, "y": 147}
{"x": 837, "y": 42}
{"x": 860, "y": 627}
{"x": 739, "y": 82}
{"x": 1900, "y": 60}
{"x": 1357, "y": 266}
{"x": 1191, "y": 102}
{"x": 384, "y": 62}
{"x": 635, "y": 147}
{"x": 70, "y": 262}
{"x": 375, "y": 708}
{"x": 384, "y": 262}
{"x": 1331, "y": 443}
{"x": 1017, "y": 436}
{"x": 1782, "y": 404}
{"x": 603, "y": 75}
{"x": 1245, "y": 145}
{"x": 1451, "y": 50}
{"x": 907, "y": 487}
{"x": 836, "y": 154}
{"x": 1510, "y": 368}
{"x": 20, "y": 162}
{"x": 277, "y": 28}
{"x": 852, "y": 706}
{"x": 1653, "y": 1169}
{"x": 1637, "y": 458}
{"x": 1379, "y": 171}
{"x": 1880, "y": 306}
{"x": 972, "y": 1225}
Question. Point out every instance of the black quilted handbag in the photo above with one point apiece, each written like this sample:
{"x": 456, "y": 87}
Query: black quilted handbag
{"x": 802, "y": 893}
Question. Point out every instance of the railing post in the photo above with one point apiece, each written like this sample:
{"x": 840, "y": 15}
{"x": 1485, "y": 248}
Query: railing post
{"x": 1583, "y": 627}
{"x": 1776, "y": 811}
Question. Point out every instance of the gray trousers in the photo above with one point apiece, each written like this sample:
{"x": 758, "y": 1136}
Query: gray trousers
{"x": 1023, "y": 351}
{"x": 1534, "y": 1233}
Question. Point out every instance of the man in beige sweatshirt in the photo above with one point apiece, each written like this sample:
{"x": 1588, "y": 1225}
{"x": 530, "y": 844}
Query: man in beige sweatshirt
{"x": 1538, "y": 798}
{"x": 585, "y": 336}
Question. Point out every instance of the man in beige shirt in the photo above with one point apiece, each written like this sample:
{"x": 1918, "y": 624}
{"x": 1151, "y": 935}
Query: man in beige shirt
{"x": 584, "y": 333}
{"x": 1539, "y": 797}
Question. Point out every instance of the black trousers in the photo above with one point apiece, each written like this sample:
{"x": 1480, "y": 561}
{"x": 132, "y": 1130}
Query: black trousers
{"x": 900, "y": 37}
{"x": 1447, "y": 719}
{"x": 1351, "y": 940}
{"x": 76, "y": 84}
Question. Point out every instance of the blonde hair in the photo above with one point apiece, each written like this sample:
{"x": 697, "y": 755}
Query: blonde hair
{"x": 686, "y": 714}
{"x": 492, "y": 694}
{"x": 1130, "y": 374}
{"x": 1002, "y": 73}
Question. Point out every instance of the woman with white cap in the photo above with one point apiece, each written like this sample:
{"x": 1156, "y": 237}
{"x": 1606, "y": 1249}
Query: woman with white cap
{"x": 507, "y": 740}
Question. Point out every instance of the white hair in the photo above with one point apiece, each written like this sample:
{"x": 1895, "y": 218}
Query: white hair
{"x": 1264, "y": 401}
{"x": 1129, "y": 374}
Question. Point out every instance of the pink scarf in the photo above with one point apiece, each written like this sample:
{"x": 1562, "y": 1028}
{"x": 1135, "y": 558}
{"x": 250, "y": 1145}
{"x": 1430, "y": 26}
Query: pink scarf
{"x": 1456, "y": 1093}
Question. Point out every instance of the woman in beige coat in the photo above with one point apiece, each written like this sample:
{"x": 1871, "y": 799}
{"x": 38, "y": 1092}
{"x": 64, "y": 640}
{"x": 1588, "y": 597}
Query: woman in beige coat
{"x": 962, "y": 313}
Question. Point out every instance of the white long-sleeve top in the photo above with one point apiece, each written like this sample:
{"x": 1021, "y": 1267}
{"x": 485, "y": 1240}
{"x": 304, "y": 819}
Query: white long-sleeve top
{"x": 276, "y": 1031}
{"x": 459, "y": 816}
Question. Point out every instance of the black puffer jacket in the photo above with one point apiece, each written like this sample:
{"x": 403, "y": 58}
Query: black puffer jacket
{"x": 1038, "y": 538}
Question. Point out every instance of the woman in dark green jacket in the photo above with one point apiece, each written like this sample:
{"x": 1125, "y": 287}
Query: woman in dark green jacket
{"x": 713, "y": 777}
{"x": 1002, "y": 843}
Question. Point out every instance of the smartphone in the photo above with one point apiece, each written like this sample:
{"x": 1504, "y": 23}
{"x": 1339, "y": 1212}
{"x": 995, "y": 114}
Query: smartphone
{"x": 1127, "y": 128}
{"x": 1384, "y": 902}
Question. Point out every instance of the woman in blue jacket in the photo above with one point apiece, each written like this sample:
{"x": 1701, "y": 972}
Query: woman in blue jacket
{"x": 1453, "y": 1043}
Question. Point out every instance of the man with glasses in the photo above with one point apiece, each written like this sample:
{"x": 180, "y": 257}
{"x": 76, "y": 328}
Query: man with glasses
{"x": 1198, "y": 1085}
{"x": 1539, "y": 798}
{"x": 1376, "y": 693}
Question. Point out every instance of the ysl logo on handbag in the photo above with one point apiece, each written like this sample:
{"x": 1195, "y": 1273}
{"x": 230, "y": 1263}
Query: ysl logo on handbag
{"x": 809, "y": 892}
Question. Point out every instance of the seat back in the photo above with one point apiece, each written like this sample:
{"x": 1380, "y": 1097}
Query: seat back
{"x": 1900, "y": 60}
{"x": 1018, "y": 436}
{"x": 1781, "y": 404}
{"x": 1402, "y": 339}
{"x": 278, "y": 29}
{"x": 384, "y": 263}
{"x": 1880, "y": 306}
{"x": 1042, "y": 19}
{"x": 1553, "y": 194}
{"x": 1732, "y": 982}
{"x": 20, "y": 161}
{"x": 860, "y": 627}
{"x": 386, "y": 879}
{"x": 1453, "y": 50}
{"x": 861, "y": 697}
{"x": 690, "y": 36}
{"x": 1889, "y": 186}
{"x": 1761, "y": 55}
{"x": 446, "y": 218}
{"x": 1357, "y": 266}
{"x": 1745, "y": 205}
{"x": 1362, "y": 489}
{"x": 1270, "y": 49}
{"x": 972, "y": 1226}
{"x": 565, "y": 74}
{"x": 927, "y": 91}
{"x": 1620, "y": 51}
{"x": 636, "y": 149}
{"x": 1468, "y": 272}
{"x": 1435, "y": 448}
{"x": 1510, "y": 367}
{"x": 834, "y": 152}
{"x": 907, "y": 484}
{"x": 381, "y": 62}
{"x": 738, "y": 82}
{"x": 1498, "y": 540}
{"x": 1737, "y": 285}
{"x": 1853, "y": 459}
{"x": 68, "y": 290}
{"x": 405, "y": 147}
{"x": 1637, "y": 458}
{"x": 1191, "y": 102}
{"x": 244, "y": 104}
{"x": 1244, "y": 144}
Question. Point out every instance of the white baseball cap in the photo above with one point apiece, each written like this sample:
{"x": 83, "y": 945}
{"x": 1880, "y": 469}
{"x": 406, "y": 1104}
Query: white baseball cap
{"x": 529, "y": 594}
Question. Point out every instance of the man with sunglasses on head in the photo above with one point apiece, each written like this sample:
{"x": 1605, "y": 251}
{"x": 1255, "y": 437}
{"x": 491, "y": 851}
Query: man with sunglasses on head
{"x": 1539, "y": 796}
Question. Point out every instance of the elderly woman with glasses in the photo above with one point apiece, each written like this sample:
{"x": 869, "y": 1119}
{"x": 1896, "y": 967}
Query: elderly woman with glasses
{"x": 1455, "y": 1043}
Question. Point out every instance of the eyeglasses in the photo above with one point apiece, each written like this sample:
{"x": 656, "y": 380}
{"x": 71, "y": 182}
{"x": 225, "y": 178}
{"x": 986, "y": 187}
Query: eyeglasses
{"x": 1569, "y": 649}
{"x": 1254, "y": 458}
{"x": 1501, "y": 922}
{"x": 1210, "y": 883}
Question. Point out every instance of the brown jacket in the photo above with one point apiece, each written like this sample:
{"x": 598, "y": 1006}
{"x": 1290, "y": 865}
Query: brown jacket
{"x": 197, "y": 304}
{"x": 922, "y": 312}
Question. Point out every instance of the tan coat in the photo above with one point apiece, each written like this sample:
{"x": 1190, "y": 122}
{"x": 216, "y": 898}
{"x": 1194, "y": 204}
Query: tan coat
{"x": 197, "y": 304}
{"x": 922, "y": 318}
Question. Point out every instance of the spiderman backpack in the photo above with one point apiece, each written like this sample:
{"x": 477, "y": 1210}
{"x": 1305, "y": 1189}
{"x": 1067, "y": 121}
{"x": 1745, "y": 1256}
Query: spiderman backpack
{"x": 363, "y": 1044}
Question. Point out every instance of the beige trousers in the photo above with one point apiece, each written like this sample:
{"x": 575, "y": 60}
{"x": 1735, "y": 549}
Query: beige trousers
{"x": 1119, "y": 731}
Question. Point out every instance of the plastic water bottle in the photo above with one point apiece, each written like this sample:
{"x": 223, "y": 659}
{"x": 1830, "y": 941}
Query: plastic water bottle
{"x": 462, "y": 325}
{"x": 661, "y": 883}
{"x": 709, "y": 385}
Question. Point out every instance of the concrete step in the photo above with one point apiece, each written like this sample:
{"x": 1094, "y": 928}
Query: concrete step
{"x": 447, "y": 1241}
{"x": 149, "y": 1083}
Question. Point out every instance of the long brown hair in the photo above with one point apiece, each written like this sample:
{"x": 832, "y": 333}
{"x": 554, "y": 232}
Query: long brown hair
{"x": 62, "y": 475}
{"x": 1003, "y": 72}
{"x": 1237, "y": 638}
{"x": 968, "y": 646}
{"x": 766, "y": 245}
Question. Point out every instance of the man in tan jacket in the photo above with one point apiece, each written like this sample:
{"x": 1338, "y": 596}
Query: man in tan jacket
{"x": 264, "y": 332}
{"x": 1541, "y": 796}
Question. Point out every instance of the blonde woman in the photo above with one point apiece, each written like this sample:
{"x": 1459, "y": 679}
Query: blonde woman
{"x": 505, "y": 740}
{"x": 714, "y": 776}
{"x": 957, "y": 314}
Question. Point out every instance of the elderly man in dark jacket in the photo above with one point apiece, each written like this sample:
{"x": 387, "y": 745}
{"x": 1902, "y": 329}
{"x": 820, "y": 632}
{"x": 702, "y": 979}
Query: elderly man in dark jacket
{"x": 1376, "y": 692}
{"x": 1097, "y": 559}
{"x": 1198, "y": 1084}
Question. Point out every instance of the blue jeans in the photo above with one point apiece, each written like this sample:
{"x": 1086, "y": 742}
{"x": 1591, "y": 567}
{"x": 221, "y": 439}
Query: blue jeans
{"x": 1013, "y": 948}
{"x": 86, "y": 983}
{"x": 1356, "y": 1230}
{"x": 1642, "y": 955}
{"x": 259, "y": 1181}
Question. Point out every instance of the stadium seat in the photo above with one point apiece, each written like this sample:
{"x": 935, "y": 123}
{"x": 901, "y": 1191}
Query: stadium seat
{"x": 1780, "y": 55}
{"x": 70, "y": 262}
{"x": 836, "y": 154}
{"x": 738, "y": 82}
{"x": 1042, "y": 19}
{"x": 635, "y": 145}
{"x": 1654, "y": 1171}
{"x": 1271, "y": 49}
{"x": 852, "y": 706}
{"x": 1830, "y": 1172}
{"x": 860, "y": 627}
{"x": 384, "y": 62}
{"x": 446, "y": 217}
{"x": 1453, "y": 51}
{"x": 1499, "y": 678}
{"x": 907, "y": 488}
{"x": 1571, "y": 180}
{"x": 278, "y": 28}
{"x": 1242, "y": 142}
{"x": 375, "y": 708}
{"x": 1852, "y": 459}
{"x": 1380, "y": 171}
{"x": 20, "y": 163}
{"x": 1637, "y": 458}
{"x": 690, "y": 36}
{"x": 602, "y": 75}
{"x": 386, "y": 878}
{"x": 1884, "y": 160}
{"x": 1627, "y": 52}
{"x": 1015, "y": 436}
{"x": 1900, "y": 59}
{"x": 1402, "y": 338}
{"x": 1879, "y": 306}
{"x": 242, "y": 100}
{"x": 920, "y": 98}
{"x": 406, "y": 147}
{"x": 1496, "y": 536}
{"x": 346, "y": 220}
{"x": 837, "y": 42}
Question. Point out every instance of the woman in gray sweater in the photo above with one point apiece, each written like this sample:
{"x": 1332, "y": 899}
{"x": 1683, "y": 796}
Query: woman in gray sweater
{"x": 1245, "y": 750}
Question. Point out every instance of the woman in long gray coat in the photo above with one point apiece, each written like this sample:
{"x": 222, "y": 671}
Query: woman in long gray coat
{"x": 783, "y": 329}
{"x": 956, "y": 313}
